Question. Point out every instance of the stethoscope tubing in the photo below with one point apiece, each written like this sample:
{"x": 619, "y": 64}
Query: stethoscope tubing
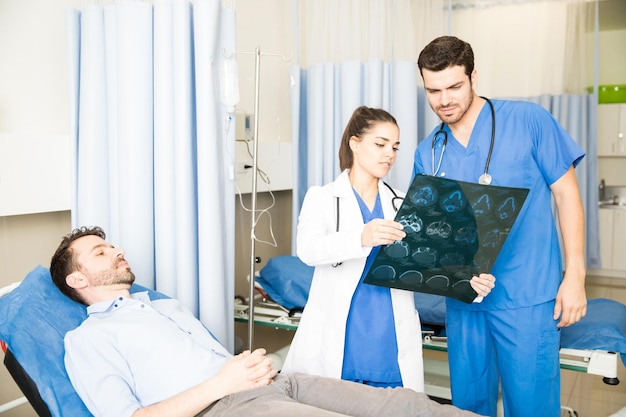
{"x": 485, "y": 178}
{"x": 393, "y": 204}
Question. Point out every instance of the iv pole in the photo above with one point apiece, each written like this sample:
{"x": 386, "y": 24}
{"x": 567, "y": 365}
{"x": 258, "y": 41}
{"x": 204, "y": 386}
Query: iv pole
{"x": 255, "y": 150}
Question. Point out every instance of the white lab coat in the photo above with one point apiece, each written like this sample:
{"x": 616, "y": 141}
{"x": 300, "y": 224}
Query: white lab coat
{"x": 318, "y": 344}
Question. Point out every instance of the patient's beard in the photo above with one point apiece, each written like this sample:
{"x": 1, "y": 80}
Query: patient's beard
{"x": 116, "y": 276}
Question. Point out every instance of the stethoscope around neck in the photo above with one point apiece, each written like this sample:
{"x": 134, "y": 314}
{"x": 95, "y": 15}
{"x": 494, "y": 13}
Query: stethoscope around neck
{"x": 394, "y": 204}
{"x": 485, "y": 178}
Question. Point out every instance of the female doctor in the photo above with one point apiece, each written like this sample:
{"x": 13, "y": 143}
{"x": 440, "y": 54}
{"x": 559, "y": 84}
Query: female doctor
{"x": 348, "y": 329}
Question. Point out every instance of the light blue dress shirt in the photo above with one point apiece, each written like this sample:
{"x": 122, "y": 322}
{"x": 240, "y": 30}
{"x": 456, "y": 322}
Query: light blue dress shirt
{"x": 133, "y": 352}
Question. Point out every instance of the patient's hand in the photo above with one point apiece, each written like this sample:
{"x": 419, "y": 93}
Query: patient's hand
{"x": 483, "y": 284}
{"x": 246, "y": 371}
{"x": 242, "y": 372}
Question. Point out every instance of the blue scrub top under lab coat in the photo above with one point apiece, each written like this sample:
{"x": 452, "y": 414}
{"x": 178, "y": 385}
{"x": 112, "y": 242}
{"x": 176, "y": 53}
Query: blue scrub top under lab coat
{"x": 371, "y": 351}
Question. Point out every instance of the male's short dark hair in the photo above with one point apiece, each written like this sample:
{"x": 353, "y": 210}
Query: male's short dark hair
{"x": 63, "y": 262}
{"x": 444, "y": 52}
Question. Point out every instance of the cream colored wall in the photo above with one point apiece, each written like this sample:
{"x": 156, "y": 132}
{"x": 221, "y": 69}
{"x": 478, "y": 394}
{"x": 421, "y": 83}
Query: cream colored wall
{"x": 33, "y": 69}
{"x": 612, "y": 57}
{"x": 267, "y": 25}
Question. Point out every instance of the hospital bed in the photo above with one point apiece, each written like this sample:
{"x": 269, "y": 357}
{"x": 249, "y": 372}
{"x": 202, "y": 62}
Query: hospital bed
{"x": 34, "y": 317}
{"x": 593, "y": 346}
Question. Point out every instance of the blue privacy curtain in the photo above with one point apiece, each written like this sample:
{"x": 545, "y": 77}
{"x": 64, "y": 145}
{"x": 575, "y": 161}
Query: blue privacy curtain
{"x": 150, "y": 145}
{"x": 578, "y": 115}
{"x": 352, "y": 53}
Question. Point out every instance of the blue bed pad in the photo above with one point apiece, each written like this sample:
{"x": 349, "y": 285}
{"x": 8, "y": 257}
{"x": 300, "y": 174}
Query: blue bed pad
{"x": 287, "y": 281}
{"x": 34, "y": 318}
{"x": 603, "y": 328}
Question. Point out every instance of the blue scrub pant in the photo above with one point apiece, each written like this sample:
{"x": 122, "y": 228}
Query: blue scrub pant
{"x": 519, "y": 348}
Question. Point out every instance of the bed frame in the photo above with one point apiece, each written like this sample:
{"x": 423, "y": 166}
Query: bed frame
{"x": 595, "y": 362}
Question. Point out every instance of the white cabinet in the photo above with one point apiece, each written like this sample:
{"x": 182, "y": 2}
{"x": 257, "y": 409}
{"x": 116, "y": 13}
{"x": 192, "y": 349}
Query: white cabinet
{"x": 605, "y": 220}
{"x": 619, "y": 239}
{"x": 613, "y": 238}
{"x": 611, "y": 129}
{"x": 35, "y": 173}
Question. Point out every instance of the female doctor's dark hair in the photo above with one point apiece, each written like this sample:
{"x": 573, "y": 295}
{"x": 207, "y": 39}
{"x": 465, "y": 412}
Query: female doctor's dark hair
{"x": 362, "y": 120}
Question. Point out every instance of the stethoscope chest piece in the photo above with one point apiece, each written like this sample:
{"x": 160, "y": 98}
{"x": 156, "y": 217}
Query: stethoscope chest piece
{"x": 485, "y": 179}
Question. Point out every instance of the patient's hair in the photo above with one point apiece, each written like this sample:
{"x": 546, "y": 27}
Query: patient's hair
{"x": 362, "y": 120}
{"x": 63, "y": 262}
{"x": 444, "y": 52}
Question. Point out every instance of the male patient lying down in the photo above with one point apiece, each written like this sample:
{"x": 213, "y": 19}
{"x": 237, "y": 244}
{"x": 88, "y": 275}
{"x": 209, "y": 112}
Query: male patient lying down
{"x": 137, "y": 357}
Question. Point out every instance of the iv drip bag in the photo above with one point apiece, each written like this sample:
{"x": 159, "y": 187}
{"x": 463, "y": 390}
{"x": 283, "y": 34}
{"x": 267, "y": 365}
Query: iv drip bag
{"x": 229, "y": 84}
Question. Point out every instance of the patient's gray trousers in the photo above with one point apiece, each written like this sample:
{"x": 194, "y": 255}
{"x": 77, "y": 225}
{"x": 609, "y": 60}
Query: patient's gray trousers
{"x": 306, "y": 395}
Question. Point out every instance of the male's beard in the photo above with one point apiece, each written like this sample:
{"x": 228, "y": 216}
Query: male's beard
{"x": 116, "y": 276}
{"x": 450, "y": 120}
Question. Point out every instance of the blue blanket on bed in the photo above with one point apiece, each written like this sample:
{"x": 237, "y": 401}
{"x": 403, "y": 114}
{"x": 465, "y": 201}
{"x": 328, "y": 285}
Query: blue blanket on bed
{"x": 34, "y": 318}
{"x": 603, "y": 328}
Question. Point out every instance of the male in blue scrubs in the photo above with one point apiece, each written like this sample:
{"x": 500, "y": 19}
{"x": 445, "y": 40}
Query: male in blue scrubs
{"x": 512, "y": 337}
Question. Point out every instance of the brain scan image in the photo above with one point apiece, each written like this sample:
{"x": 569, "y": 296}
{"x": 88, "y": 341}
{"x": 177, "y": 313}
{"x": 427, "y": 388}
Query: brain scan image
{"x": 412, "y": 277}
{"x": 412, "y": 223}
{"x": 425, "y": 255}
{"x": 398, "y": 249}
{"x": 492, "y": 239}
{"x": 462, "y": 286}
{"x": 453, "y": 202}
{"x": 450, "y": 259}
{"x": 440, "y": 282}
{"x": 467, "y": 235}
{"x": 454, "y": 230}
{"x": 439, "y": 230}
{"x": 507, "y": 209}
{"x": 425, "y": 196}
{"x": 384, "y": 273}
{"x": 482, "y": 206}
